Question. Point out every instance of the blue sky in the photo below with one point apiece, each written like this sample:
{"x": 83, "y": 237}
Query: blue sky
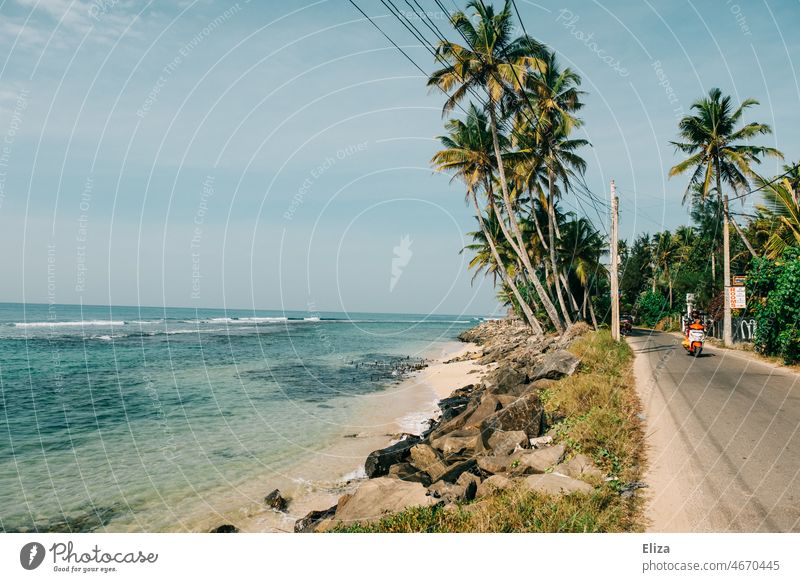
{"x": 273, "y": 155}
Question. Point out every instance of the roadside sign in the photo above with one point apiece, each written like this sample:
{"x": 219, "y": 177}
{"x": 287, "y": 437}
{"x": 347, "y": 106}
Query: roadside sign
{"x": 690, "y": 298}
{"x": 737, "y": 297}
{"x": 738, "y": 280}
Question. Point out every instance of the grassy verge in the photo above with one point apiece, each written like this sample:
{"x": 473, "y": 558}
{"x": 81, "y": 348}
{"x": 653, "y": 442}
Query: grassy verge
{"x": 592, "y": 412}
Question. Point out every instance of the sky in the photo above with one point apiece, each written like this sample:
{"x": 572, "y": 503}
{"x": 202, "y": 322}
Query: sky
{"x": 275, "y": 155}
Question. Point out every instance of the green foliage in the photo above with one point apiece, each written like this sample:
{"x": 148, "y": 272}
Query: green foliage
{"x": 774, "y": 286}
{"x": 651, "y": 306}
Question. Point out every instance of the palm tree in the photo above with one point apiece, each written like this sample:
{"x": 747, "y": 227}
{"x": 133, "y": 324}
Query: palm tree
{"x": 495, "y": 64}
{"x": 666, "y": 256}
{"x": 546, "y": 143}
{"x": 717, "y": 153}
{"x": 585, "y": 247}
{"x": 466, "y": 155}
{"x": 782, "y": 209}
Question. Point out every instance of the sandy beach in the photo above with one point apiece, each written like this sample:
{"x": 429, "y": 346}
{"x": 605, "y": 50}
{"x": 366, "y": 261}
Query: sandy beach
{"x": 381, "y": 418}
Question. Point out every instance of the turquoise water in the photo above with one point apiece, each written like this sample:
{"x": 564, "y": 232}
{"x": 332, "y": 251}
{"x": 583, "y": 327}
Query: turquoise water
{"x": 115, "y": 417}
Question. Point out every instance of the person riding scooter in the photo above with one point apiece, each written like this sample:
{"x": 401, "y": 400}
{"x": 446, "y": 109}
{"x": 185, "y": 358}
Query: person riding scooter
{"x": 695, "y": 335}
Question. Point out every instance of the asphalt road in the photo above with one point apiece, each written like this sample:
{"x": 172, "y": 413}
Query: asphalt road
{"x": 724, "y": 438}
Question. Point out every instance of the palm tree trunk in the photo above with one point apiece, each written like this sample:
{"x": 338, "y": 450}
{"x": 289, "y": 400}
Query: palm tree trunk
{"x": 583, "y": 304}
{"x": 591, "y": 310}
{"x": 535, "y": 220}
{"x": 526, "y": 310}
{"x": 744, "y": 238}
{"x": 551, "y": 222}
{"x": 519, "y": 248}
{"x": 570, "y": 296}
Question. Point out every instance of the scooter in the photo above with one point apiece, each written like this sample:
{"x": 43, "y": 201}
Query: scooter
{"x": 694, "y": 342}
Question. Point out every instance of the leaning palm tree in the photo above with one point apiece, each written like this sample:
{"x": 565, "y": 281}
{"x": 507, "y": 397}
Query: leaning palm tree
{"x": 718, "y": 153}
{"x": 556, "y": 151}
{"x": 493, "y": 63}
{"x": 585, "y": 247}
{"x": 467, "y": 156}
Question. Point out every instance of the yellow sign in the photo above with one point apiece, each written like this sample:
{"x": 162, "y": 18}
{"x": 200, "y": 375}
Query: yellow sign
{"x": 738, "y": 280}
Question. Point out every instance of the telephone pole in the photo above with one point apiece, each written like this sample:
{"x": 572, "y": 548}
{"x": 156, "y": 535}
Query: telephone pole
{"x": 614, "y": 262}
{"x": 727, "y": 329}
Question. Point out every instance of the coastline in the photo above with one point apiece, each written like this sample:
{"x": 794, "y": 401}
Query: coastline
{"x": 379, "y": 420}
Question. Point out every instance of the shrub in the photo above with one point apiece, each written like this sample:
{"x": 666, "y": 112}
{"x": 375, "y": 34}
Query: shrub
{"x": 773, "y": 289}
{"x": 651, "y": 306}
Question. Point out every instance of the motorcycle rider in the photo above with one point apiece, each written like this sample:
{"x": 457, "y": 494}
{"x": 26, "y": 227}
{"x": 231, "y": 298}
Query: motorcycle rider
{"x": 694, "y": 324}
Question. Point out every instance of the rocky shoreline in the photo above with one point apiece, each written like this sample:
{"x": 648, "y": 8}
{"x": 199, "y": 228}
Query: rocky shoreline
{"x": 490, "y": 435}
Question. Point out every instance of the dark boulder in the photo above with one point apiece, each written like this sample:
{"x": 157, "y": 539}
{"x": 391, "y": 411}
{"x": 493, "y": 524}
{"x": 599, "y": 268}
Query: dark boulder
{"x": 525, "y": 414}
{"x": 312, "y": 519}
{"x": 225, "y": 528}
{"x": 275, "y": 500}
{"x": 378, "y": 462}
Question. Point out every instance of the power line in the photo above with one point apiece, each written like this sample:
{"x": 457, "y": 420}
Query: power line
{"x": 766, "y": 184}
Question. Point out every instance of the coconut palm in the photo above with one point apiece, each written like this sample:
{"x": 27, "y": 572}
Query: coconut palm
{"x": 493, "y": 63}
{"x": 583, "y": 247}
{"x": 545, "y": 146}
{"x": 781, "y": 208}
{"x": 718, "y": 153}
{"x": 467, "y": 155}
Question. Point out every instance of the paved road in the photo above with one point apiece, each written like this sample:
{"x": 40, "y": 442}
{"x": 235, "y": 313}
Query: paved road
{"x": 724, "y": 438}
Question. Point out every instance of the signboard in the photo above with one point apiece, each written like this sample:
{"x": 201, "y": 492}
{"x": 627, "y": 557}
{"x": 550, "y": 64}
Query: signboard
{"x": 738, "y": 280}
{"x": 737, "y": 298}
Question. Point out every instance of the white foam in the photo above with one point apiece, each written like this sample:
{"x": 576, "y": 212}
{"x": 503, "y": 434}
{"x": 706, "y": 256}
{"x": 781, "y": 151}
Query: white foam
{"x": 68, "y": 323}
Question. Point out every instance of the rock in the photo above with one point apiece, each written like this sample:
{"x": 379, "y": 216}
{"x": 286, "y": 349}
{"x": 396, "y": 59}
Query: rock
{"x": 424, "y": 458}
{"x": 542, "y": 441}
{"x": 555, "y": 484}
{"x": 382, "y": 496}
{"x": 407, "y": 472}
{"x": 579, "y": 467}
{"x": 573, "y": 332}
{"x": 470, "y": 484}
{"x": 453, "y": 406}
{"x": 494, "y": 464}
{"x": 504, "y": 380}
{"x": 464, "y": 441}
{"x": 225, "y": 528}
{"x": 448, "y": 491}
{"x": 275, "y": 500}
{"x": 455, "y": 470}
{"x": 312, "y": 519}
{"x": 378, "y": 462}
{"x": 506, "y": 442}
{"x": 556, "y": 365}
{"x": 538, "y": 460}
{"x": 492, "y": 485}
{"x": 524, "y": 413}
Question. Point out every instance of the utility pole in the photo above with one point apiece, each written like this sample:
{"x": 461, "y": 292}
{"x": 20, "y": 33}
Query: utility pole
{"x": 614, "y": 262}
{"x": 727, "y": 329}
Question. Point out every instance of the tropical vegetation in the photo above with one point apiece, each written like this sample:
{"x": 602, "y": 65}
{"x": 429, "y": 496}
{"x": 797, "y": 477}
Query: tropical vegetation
{"x": 511, "y": 139}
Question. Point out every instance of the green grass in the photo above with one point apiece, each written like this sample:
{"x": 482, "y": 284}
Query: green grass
{"x": 594, "y": 412}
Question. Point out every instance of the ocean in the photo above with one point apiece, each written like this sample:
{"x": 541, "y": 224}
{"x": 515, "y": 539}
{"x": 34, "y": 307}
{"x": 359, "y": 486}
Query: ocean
{"x": 147, "y": 418}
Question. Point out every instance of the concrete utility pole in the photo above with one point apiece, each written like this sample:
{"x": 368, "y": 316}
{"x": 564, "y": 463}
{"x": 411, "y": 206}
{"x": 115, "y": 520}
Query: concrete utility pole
{"x": 727, "y": 329}
{"x": 614, "y": 262}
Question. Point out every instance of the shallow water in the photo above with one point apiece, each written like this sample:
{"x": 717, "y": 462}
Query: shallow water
{"x": 151, "y": 419}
